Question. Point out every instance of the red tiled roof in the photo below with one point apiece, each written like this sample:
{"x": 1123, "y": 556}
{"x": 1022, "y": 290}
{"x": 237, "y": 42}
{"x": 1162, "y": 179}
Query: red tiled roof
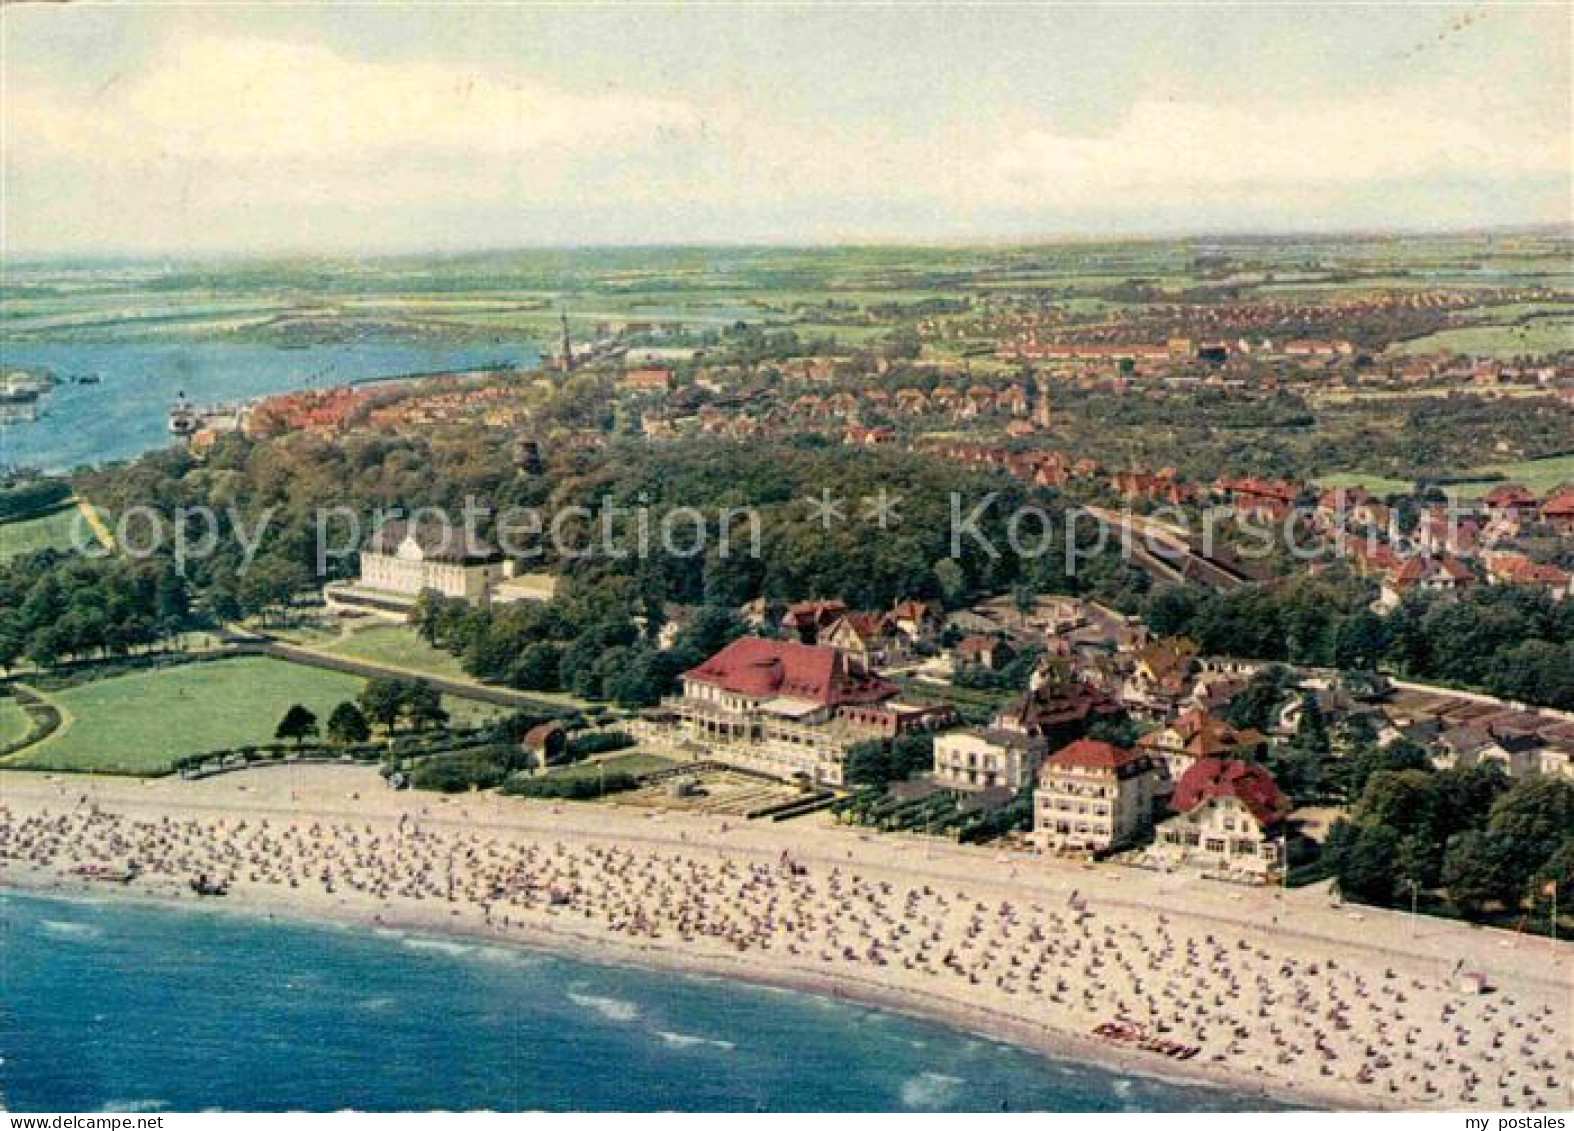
{"x": 1247, "y": 782}
{"x": 764, "y": 669}
{"x": 1560, "y": 504}
{"x": 1510, "y": 495}
{"x": 1091, "y": 754}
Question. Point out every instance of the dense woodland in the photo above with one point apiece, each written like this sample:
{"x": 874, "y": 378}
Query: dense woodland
{"x": 267, "y": 495}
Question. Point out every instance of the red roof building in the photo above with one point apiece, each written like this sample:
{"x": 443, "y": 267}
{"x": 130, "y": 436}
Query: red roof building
{"x": 1229, "y": 816}
{"x": 1510, "y": 498}
{"x": 1558, "y": 510}
{"x": 785, "y": 709}
{"x": 1251, "y": 785}
{"x": 1093, "y": 796}
{"x": 754, "y": 668}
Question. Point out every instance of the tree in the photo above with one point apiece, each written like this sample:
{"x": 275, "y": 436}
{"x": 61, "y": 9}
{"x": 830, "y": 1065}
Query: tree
{"x": 709, "y": 630}
{"x": 1169, "y": 611}
{"x": 1311, "y": 732}
{"x": 347, "y": 725}
{"x": 381, "y": 701}
{"x": 298, "y": 723}
{"x": 422, "y": 705}
{"x": 867, "y": 763}
{"x": 1024, "y": 600}
{"x": 536, "y": 668}
{"x": 1360, "y": 641}
{"x": 1362, "y": 860}
{"x": 1254, "y": 707}
{"x": 952, "y": 581}
{"x": 1471, "y": 872}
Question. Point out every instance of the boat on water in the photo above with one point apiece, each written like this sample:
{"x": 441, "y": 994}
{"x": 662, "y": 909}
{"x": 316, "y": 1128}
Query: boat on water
{"x": 182, "y": 416}
{"x": 22, "y": 383}
{"x": 187, "y": 419}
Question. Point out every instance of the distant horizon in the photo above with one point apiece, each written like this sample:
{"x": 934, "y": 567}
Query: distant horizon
{"x": 28, "y": 259}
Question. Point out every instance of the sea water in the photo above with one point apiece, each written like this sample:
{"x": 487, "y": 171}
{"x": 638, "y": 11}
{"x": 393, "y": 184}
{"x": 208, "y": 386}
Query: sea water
{"x": 127, "y": 411}
{"x": 116, "y": 1005}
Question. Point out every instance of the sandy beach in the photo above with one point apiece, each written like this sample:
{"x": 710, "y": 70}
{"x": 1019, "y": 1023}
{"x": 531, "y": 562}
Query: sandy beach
{"x": 1279, "y": 992}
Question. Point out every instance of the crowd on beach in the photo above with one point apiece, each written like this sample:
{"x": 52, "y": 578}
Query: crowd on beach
{"x": 1179, "y": 986}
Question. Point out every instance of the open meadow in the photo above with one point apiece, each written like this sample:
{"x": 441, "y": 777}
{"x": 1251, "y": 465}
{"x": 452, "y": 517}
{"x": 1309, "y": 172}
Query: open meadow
{"x": 56, "y": 530}
{"x": 141, "y": 722}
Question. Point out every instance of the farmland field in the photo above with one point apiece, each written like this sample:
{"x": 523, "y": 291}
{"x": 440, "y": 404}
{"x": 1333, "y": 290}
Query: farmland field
{"x": 1540, "y": 475}
{"x": 1543, "y": 335}
{"x": 141, "y": 722}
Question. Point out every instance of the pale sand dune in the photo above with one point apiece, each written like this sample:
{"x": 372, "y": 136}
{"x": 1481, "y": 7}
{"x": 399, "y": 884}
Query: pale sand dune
{"x": 1280, "y": 991}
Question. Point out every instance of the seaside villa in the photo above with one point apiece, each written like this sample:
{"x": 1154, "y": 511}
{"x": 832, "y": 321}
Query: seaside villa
{"x": 782, "y": 708}
{"x": 1231, "y": 818}
{"x": 987, "y": 758}
{"x": 1093, "y": 796}
{"x": 404, "y": 559}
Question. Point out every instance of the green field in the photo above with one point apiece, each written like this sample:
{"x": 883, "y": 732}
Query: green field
{"x": 14, "y": 721}
{"x": 1541, "y": 336}
{"x": 52, "y": 531}
{"x": 395, "y": 646}
{"x": 1540, "y": 475}
{"x": 1377, "y": 484}
{"x": 141, "y": 722}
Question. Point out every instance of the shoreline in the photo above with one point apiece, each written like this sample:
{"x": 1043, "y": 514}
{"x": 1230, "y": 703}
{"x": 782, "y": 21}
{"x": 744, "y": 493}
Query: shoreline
{"x": 1209, "y": 964}
{"x": 971, "y": 1020}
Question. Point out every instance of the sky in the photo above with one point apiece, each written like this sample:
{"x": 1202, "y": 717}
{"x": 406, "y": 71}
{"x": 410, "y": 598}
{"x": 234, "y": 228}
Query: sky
{"x": 231, "y": 127}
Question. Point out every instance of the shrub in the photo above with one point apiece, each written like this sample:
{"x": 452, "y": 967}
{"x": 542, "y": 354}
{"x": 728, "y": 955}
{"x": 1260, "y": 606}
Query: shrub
{"x": 598, "y": 742}
{"x": 577, "y": 787}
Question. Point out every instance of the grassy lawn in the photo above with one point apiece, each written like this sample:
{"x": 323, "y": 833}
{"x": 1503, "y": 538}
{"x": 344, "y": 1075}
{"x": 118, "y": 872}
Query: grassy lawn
{"x": 141, "y": 722}
{"x": 395, "y": 646}
{"x": 398, "y": 646}
{"x": 52, "y": 531}
{"x": 630, "y": 763}
{"x": 1377, "y": 484}
{"x": 14, "y": 722}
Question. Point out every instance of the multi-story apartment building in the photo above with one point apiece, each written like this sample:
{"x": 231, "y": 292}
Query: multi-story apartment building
{"x": 1093, "y": 796}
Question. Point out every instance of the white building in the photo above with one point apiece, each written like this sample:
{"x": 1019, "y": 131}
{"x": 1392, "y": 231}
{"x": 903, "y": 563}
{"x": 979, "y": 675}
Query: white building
{"x": 1093, "y": 796}
{"x": 403, "y": 560}
{"x": 1230, "y": 820}
{"x": 991, "y": 758}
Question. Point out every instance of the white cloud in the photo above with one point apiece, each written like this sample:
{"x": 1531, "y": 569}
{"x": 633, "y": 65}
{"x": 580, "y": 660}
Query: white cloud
{"x": 1164, "y": 151}
{"x": 235, "y": 102}
{"x": 232, "y": 141}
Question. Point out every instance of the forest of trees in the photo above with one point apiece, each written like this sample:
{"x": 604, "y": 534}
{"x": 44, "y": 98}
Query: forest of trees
{"x": 1469, "y": 837}
{"x": 1506, "y": 640}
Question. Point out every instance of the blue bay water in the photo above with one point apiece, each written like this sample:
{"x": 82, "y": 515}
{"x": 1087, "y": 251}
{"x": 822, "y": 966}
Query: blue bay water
{"x": 116, "y": 1005}
{"x": 126, "y": 413}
